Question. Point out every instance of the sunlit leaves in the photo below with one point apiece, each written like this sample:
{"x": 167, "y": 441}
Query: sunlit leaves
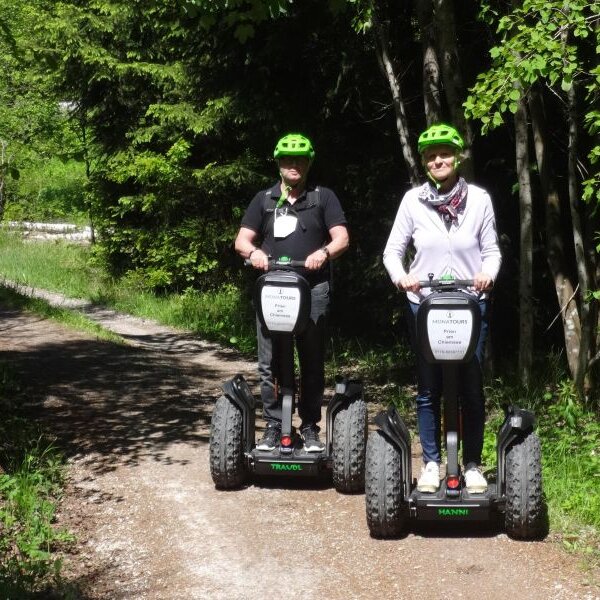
{"x": 538, "y": 43}
{"x": 547, "y": 41}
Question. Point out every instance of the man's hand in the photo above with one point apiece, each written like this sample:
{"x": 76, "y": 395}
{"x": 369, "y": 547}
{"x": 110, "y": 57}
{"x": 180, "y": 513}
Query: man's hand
{"x": 259, "y": 260}
{"x": 316, "y": 260}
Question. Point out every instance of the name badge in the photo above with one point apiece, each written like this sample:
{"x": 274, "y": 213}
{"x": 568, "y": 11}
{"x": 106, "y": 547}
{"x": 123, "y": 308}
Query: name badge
{"x": 284, "y": 225}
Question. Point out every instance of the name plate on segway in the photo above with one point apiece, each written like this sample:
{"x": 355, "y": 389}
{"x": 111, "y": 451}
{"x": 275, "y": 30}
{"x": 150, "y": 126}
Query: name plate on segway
{"x": 280, "y": 307}
{"x": 449, "y": 333}
{"x": 448, "y": 327}
{"x": 283, "y": 301}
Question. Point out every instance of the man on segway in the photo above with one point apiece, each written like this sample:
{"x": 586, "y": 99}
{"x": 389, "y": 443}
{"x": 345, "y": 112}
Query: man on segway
{"x": 302, "y": 222}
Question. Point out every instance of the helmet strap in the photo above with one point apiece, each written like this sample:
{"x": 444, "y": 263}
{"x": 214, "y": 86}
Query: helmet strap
{"x": 438, "y": 184}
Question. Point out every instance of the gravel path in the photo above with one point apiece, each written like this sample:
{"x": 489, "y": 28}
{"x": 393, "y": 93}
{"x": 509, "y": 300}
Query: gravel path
{"x": 134, "y": 421}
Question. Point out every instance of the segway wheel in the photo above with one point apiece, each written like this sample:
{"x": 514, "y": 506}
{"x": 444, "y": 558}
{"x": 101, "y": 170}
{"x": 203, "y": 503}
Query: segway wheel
{"x": 386, "y": 508}
{"x": 525, "y": 515}
{"x": 349, "y": 442}
{"x": 226, "y": 445}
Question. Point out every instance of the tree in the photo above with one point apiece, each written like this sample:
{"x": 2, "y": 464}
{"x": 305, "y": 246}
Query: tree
{"x": 551, "y": 44}
{"x": 34, "y": 130}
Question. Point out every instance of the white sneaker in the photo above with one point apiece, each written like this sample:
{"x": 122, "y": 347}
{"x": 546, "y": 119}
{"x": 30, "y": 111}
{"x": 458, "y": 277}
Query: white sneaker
{"x": 474, "y": 481}
{"x": 429, "y": 481}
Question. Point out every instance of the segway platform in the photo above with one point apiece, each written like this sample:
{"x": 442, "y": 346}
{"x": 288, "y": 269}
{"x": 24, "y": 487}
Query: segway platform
{"x": 292, "y": 461}
{"x": 465, "y": 507}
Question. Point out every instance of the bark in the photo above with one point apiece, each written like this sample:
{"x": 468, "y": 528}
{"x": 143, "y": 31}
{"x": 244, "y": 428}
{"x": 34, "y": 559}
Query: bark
{"x": 583, "y": 269}
{"x": 526, "y": 244}
{"x": 431, "y": 68}
{"x": 82, "y": 121}
{"x": 555, "y": 251}
{"x": 2, "y": 175}
{"x": 451, "y": 75}
{"x": 381, "y": 28}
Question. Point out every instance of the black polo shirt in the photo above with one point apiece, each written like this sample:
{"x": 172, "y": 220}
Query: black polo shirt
{"x": 312, "y": 229}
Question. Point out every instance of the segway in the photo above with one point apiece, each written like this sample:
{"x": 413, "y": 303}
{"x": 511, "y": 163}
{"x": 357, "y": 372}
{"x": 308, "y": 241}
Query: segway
{"x": 448, "y": 325}
{"x": 283, "y": 300}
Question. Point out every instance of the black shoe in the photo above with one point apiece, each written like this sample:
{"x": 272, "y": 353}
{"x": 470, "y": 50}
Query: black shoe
{"x": 270, "y": 439}
{"x": 312, "y": 443}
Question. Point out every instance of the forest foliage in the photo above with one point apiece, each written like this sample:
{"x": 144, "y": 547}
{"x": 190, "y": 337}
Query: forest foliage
{"x": 156, "y": 121}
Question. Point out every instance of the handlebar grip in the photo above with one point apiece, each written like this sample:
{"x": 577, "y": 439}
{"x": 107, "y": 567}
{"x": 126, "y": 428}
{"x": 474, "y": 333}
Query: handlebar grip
{"x": 278, "y": 264}
{"x": 446, "y": 283}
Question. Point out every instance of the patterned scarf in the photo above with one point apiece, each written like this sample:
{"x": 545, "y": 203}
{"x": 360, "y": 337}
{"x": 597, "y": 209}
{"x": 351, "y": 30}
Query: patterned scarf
{"x": 448, "y": 205}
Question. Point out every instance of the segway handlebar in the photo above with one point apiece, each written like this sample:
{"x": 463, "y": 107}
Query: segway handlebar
{"x": 279, "y": 263}
{"x": 452, "y": 285}
{"x": 446, "y": 284}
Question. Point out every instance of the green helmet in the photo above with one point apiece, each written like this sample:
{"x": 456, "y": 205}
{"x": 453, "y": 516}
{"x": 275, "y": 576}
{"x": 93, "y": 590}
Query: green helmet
{"x": 440, "y": 134}
{"x": 294, "y": 144}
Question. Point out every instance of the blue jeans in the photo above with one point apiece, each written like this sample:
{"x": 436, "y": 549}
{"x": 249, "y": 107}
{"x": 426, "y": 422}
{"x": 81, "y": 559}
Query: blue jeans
{"x": 276, "y": 362}
{"x": 429, "y": 392}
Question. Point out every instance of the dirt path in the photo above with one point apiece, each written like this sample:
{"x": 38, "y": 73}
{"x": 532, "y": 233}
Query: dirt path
{"x": 134, "y": 421}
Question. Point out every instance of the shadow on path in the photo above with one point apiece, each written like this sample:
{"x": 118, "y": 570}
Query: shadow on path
{"x": 117, "y": 403}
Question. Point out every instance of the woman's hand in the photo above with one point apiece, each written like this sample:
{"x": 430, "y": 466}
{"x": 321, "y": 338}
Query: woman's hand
{"x": 482, "y": 282}
{"x": 408, "y": 283}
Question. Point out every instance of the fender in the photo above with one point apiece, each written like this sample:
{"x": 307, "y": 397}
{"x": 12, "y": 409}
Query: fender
{"x": 395, "y": 430}
{"x": 346, "y": 390}
{"x": 517, "y": 424}
{"x": 237, "y": 390}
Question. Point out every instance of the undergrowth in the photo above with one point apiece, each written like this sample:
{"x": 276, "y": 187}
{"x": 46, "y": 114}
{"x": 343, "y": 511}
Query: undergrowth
{"x": 31, "y": 483}
{"x": 569, "y": 432}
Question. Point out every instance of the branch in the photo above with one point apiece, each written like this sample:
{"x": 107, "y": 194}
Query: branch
{"x": 563, "y": 308}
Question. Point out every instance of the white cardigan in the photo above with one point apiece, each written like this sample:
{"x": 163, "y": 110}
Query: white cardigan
{"x": 470, "y": 247}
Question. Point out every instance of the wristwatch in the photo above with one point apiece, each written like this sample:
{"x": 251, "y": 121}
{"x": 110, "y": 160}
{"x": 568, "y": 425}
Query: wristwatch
{"x": 326, "y": 250}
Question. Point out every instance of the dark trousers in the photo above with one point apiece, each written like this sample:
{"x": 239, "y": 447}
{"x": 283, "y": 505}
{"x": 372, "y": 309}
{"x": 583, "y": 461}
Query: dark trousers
{"x": 429, "y": 392}
{"x": 276, "y": 366}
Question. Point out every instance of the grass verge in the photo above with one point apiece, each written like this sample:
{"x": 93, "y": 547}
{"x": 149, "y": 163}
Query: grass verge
{"x": 221, "y": 315}
{"x": 31, "y": 483}
{"x": 569, "y": 432}
{"x": 11, "y": 299}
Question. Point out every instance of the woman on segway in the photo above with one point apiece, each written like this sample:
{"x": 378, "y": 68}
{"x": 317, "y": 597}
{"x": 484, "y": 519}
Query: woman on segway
{"x": 304, "y": 222}
{"x": 452, "y": 227}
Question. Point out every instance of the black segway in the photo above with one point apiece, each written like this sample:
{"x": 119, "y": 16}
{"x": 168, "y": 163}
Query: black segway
{"x": 283, "y": 301}
{"x": 448, "y": 325}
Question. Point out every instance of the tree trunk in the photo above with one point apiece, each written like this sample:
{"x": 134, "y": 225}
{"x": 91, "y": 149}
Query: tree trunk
{"x": 451, "y": 75}
{"x": 526, "y": 244}
{"x": 2, "y": 175}
{"x": 381, "y": 27}
{"x": 431, "y": 68}
{"x": 583, "y": 269}
{"x": 555, "y": 251}
{"x": 81, "y": 117}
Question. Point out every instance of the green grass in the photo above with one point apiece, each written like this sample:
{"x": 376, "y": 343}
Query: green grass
{"x": 569, "y": 432}
{"x": 54, "y": 266}
{"x": 222, "y": 315}
{"x": 11, "y": 299}
{"x": 31, "y": 483}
